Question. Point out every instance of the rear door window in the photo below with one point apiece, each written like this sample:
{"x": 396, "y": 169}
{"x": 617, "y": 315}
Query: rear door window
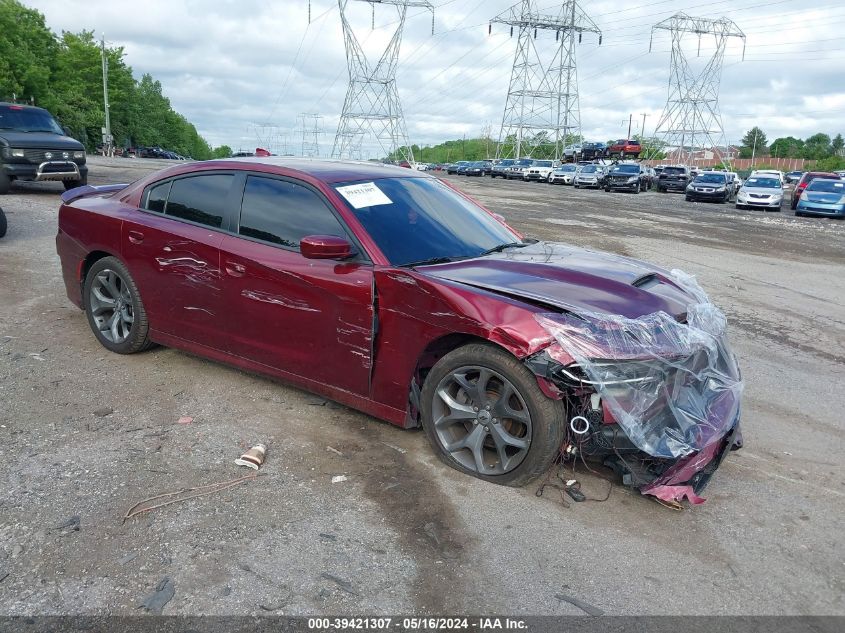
{"x": 283, "y": 212}
{"x": 200, "y": 199}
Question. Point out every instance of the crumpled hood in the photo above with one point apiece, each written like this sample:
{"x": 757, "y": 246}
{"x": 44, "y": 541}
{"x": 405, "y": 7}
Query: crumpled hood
{"x": 41, "y": 140}
{"x": 571, "y": 279}
{"x": 762, "y": 191}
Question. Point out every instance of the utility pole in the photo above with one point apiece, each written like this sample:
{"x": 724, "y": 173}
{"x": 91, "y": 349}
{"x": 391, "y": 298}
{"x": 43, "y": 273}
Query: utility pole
{"x": 754, "y": 147}
{"x": 642, "y": 133}
{"x": 108, "y": 150}
{"x": 691, "y": 117}
{"x": 630, "y": 120}
{"x": 542, "y": 102}
{"x": 372, "y": 107}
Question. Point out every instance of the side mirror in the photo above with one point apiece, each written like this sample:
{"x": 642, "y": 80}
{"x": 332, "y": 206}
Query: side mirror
{"x": 66, "y": 130}
{"x": 325, "y": 247}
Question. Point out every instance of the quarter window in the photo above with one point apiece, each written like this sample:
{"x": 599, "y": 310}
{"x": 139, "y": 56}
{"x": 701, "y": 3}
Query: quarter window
{"x": 157, "y": 197}
{"x": 200, "y": 199}
{"x": 283, "y": 212}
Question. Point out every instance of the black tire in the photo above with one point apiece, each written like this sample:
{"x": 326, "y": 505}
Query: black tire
{"x": 547, "y": 416}
{"x": 638, "y": 189}
{"x": 688, "y": 199}
{"x": 73, "y": 184}
{"x": 137, "y": 337}
{"x": 607, "y": 189}
{"x": 3, "y": 224}
{"x": 5, "y": 182}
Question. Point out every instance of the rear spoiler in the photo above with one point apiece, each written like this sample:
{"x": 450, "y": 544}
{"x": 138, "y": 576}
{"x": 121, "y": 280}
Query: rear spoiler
{"x": 89, "y": 190}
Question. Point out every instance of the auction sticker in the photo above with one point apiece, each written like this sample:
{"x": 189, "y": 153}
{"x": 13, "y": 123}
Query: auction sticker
{"x": 365, "y": 194}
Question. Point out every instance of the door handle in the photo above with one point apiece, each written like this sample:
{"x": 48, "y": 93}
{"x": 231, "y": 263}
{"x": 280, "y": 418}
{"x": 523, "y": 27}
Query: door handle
{"x": 235, "y": 270}
{"x": 136, "y": 237}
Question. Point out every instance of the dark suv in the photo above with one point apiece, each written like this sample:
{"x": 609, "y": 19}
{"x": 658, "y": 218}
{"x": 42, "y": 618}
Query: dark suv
{"x": 626, "y": 177}
{"x": 674, "y": 178}
{"x": 33, "y": 146}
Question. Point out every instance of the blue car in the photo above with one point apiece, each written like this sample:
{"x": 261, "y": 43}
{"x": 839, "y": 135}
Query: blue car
{"x": 823, "y": 197}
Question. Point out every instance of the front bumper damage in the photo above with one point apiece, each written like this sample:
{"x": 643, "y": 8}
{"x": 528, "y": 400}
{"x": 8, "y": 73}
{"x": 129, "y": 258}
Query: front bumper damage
{"x": 656, "y": 398}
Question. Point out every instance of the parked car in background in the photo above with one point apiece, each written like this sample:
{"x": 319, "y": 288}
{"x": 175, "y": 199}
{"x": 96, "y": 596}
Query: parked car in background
{"x": 673, "y": 178}
{"x": 712, "y": 186}
{"x": 477, "y": 168}
{"x": 762, "y": 192}
{"x": 806, "y": 179}
{"x": 518, "y": 169}
{"x": 33, "y": 146}
{"x": 389, "y": 292}
{"x": 501, "y": 168}
{"x": 565, "y": 174}
{"x": 589, "y": 176}
{"x": 462, "y": 169}
{"x": 591, "y": 151}
{"x": 841, "y": 174}
{"x": 453, "y": 168}
{"x": 572, "y": 153}
{"x": 626, "y": 177}
{"x": 624, "y": 148}
{"x": 540, "y": 170}
{"x": 793, "y": 176}
{"x": 822, "y": 197}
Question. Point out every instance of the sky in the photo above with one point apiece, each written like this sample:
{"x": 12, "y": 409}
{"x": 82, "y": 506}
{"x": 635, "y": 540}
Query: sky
{"x": 243, "y": 71}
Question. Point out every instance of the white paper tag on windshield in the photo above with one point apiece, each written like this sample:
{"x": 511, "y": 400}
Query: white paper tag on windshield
{"x": 365, "y": 194}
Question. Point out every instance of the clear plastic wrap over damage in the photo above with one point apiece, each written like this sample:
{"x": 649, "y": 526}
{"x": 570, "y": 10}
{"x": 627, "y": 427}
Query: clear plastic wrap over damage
{"x": 672, "y": 383}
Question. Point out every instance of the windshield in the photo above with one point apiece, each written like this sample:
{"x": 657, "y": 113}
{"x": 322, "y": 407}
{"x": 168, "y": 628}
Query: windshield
{"x": 569, "y": 167}
{"x": 506, "y": 163}
{"x": 27, "y": 120}
{"x": 763, "y": 183}
{"x": 711, "y": 178}
{"x": 588, "y": 169}
{"x": 625, "y": 169}
{"x": 829, "y": 186}
{"x": 673, "y": 171}
{"x": 524, "y": 162}
{"x": 417, "y": 219}
{"x": 543, "y": 163}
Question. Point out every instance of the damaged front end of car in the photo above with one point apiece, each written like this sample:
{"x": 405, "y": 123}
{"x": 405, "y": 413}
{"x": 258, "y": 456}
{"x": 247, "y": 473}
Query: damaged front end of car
{"x": 656, "y": 398}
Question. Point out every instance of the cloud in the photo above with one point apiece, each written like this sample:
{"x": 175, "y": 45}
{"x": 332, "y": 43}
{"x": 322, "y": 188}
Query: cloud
{"x": 243, "y": 71}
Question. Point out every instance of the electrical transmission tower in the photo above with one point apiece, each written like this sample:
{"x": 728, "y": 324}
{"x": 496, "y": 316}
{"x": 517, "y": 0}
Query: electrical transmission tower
{"x": 542, "y": 111}
{"x": 691, "y": 118}
{"x": 310, "y": 136}
{"x": 372, "y": 108}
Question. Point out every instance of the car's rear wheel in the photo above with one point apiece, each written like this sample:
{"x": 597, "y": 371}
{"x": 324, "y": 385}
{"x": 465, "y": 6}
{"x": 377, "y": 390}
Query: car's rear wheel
{"x": 485, "y": 415}
{"x": 114, "y": 308}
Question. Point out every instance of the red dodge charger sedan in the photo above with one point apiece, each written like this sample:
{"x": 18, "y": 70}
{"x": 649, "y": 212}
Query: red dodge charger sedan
{"x": 389, "y": 291}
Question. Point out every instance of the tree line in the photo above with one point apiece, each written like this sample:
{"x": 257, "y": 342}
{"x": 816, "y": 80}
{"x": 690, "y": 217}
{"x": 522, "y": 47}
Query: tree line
{"x": 829, "y": 152}
{"x": 64, "y": 75}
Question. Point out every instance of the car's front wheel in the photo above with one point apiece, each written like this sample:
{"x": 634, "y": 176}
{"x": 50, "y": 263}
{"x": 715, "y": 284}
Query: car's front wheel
{"x": 485, "y": 415}
{"x": 114, "y": 308}
{"x": 5, "y": 182}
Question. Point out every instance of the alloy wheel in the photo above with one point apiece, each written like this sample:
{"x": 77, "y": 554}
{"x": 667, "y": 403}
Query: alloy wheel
{"x": 111, "y": 306}
{"x": 481, "y": 420}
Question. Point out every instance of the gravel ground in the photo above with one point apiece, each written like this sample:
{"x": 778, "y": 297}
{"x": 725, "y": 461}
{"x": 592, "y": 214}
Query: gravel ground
{"x": 87, "y": 434}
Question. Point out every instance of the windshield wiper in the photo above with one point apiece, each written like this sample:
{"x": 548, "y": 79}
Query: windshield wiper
{"x": 501, "y": 247}
{"x": 429, "y": 261}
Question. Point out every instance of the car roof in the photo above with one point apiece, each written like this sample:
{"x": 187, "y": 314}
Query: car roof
{"x": 328, "y": 170}
{"x": 21, "y": 106}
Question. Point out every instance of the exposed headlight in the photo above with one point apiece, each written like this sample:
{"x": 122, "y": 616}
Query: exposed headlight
{"x": 841, "y": 200}
{"x": 804, "y": 196}
{"x": 720, "y": 188}
{"x": 633, "y": 179}
{"x": 17, "y": 153}
{"x": 689, "y": 187}
{"x": 80, "y": 154}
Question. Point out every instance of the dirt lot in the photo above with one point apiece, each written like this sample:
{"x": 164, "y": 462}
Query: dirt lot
{"x": 86, "y": 434}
